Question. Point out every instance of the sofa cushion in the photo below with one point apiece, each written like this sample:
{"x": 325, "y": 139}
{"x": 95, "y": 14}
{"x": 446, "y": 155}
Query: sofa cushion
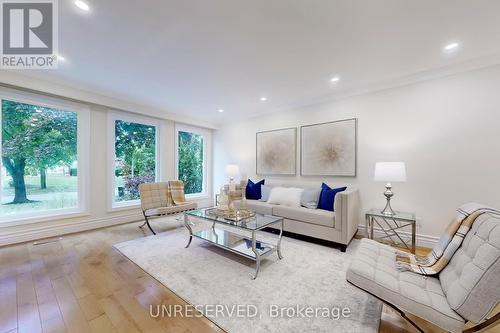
{"x": 373, "y": 269}
{"x": 259, "y": 207}
{"x": 470, "y": 280}
{"x": 314, "y": 216}
{"x": 287, "y": 196}
{"x": 310, "y": 197}
{"x": 265, "y": 190}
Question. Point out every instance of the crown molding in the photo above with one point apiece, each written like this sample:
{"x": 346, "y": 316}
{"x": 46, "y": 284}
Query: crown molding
{"x": 380, "y": 86}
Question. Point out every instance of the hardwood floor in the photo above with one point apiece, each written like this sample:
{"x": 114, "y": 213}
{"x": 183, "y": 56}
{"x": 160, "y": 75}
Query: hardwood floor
{"x": 80, "y": 283}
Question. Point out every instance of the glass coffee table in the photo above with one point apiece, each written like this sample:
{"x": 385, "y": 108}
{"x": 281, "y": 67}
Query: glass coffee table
{"x": 231, "y": 240}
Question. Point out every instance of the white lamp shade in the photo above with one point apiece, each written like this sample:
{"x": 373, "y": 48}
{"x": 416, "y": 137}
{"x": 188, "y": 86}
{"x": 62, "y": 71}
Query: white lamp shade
{"x": 390, "y": 172}
{"x": 232, "y": 170}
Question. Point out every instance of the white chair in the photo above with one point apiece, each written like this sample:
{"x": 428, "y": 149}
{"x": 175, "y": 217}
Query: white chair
{"x": 466, "y": 290}
{"x": 157, "y": 201}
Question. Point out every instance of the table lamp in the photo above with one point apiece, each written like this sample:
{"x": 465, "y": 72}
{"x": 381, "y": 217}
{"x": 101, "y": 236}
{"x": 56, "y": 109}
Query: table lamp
{"x": 389, "y": 172}
{"x": 232, "y": 170}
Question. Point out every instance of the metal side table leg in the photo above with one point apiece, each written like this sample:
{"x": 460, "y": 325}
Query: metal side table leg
{"x": 413, "y": 237}
{"x": 257, "y": 256}
{"x": 188, "y": 226}
{"x": 280, "y": 256}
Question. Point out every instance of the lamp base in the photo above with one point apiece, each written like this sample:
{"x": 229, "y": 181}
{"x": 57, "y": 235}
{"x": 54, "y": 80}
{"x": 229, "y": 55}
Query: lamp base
{"x": 388, "y": 209}
{"x": 388, "y": 195}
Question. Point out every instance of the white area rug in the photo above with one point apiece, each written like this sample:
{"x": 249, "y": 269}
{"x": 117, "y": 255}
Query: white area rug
{"x": 309, "y": 275}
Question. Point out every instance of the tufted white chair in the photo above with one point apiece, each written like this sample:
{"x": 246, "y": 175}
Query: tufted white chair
{"x": 466, "y": 290}
{"x": 156, "y": 201}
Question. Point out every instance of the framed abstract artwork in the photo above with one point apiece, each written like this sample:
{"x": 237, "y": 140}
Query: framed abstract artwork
{"x": 277, "y": 152}
{"x": 329, "y": 149}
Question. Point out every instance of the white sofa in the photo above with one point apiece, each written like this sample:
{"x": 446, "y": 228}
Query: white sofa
{"x": 339, "y": 226}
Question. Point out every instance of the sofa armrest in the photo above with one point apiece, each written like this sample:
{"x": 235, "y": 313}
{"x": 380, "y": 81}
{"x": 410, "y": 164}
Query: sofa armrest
{"x": 347, "y": 213}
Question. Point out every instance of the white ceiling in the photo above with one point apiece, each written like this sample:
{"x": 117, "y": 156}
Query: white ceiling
{"x": 195, "y": 56}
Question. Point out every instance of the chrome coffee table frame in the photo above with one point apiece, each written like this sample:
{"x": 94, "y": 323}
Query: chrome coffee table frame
{"x": 247, "y": 247}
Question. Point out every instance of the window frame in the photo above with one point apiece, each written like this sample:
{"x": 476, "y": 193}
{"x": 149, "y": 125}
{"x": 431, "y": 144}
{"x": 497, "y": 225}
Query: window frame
{"x": 83, "y": 154}
{"x": 204, "y": 194}
{"x": 113, "y": 116}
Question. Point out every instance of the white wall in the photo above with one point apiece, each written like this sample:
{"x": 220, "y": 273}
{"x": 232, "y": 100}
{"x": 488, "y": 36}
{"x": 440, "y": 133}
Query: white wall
{"x": 99, "y": 213}
{"x": 446, "y": 130}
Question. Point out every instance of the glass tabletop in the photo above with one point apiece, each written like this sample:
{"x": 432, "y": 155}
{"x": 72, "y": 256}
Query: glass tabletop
{"x": 399, "y": 215}
{"x": 257, "y": 222}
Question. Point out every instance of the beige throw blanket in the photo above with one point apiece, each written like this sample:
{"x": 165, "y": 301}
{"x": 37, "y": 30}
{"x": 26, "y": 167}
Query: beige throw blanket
{"x": 176, "y": 189}
{"x": 447, "y": 245}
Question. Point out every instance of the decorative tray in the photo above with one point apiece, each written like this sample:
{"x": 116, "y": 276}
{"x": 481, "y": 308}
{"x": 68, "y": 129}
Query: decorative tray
{"x": 231, "y": 215}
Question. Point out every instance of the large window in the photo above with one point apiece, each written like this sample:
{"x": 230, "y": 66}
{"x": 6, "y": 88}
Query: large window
{"x": 191, "y": 152}
{"x": 134, "y": 159}
{"x": 39, "y": 172}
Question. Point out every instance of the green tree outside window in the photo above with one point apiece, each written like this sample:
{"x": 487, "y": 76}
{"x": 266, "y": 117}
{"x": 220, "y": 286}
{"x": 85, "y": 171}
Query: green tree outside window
{"x": 34, "y": 139}
{"x": 190, "y": 168}
{"x": 135, "y": 149}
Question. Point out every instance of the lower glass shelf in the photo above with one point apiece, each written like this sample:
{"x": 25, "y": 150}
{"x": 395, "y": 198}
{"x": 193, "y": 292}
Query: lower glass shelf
{"x": 234, "y": 242}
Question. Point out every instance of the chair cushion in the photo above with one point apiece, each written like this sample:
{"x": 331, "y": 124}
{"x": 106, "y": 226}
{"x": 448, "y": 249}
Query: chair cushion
{"x": 373, "y": 269}
{"x": 154, "y": 195}
{"x": 470, "y": 281}
{"x": 314, "y": 216}
{"x": 170, "y": 210}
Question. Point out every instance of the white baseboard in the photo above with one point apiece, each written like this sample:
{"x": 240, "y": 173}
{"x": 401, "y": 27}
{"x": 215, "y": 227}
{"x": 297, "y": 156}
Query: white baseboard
{"x": 422, "y": 240}
{"x": 66, "y": 228}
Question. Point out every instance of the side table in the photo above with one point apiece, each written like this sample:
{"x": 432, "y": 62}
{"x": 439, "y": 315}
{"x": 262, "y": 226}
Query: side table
{"x": 391, "y": 226}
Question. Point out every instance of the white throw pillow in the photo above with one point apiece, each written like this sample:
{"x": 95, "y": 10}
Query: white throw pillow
{"x": 286, "y": 196}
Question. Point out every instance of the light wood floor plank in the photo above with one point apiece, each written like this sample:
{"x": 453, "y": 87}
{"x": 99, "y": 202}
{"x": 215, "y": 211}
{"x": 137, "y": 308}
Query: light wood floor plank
{"x": 73, "y": 315}
{"x": 91, "y": 307}
{"x": 8, "y": 297}
{"x": 135, "y": 311}
{"x": 102, "y": 324}
{"x": 118, "y": 316}
{"x": 27, "y": 305}
{"x": 50, "y": 314}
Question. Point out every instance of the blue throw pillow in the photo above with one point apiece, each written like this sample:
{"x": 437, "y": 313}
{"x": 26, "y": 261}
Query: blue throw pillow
{"x": 327, "y": 196}
{"x": 253, "y": 190}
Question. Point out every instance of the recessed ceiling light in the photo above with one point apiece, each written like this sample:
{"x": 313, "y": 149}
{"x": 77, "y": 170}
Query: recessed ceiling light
{"x": 263, "y": 99}
{"x": 220, "y": 110}
{"x": 82, "y": 5}
{"x": 451, "y": 47}
{"x": 335, "y": 79}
